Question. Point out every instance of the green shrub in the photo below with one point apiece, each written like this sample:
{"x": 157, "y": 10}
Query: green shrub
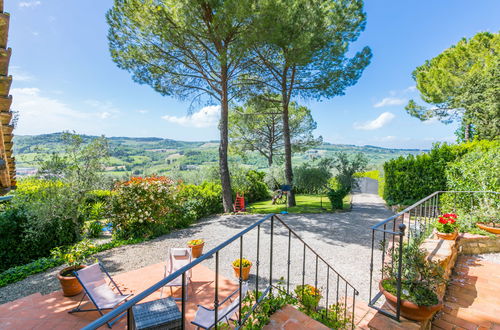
{"x": 336, "y": 194}
{"x": 93, "y": 228}
{"x": 310, "y": 180}
{"x": 250, "y": 183}
{"x": 409, "y": 179}
{"x": 41, "y": 216}
{"x": 255, "y": 189}
{"x": 202, "y": 200}
{"x": 18, "y": 273}
{"x": 476, "y": 171}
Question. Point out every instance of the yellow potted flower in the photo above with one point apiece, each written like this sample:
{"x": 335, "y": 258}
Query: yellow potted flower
{"x": 196, "y": 246}
{"x": 74, "y": 257}
{"x": 245, "y": 268}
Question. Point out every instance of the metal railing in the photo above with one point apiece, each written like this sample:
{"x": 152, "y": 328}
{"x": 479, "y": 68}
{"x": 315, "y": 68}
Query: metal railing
{"x": 414, "y": 221}
{"x": 280, "y": 238}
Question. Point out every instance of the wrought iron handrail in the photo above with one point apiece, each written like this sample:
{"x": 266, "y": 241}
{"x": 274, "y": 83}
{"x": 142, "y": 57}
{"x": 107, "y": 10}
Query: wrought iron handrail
{"x": 424, "y": 212}
{"x": 125, "y": 307}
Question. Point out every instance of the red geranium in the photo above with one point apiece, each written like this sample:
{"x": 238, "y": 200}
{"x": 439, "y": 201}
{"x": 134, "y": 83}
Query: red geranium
{"x": 447, "y": 223}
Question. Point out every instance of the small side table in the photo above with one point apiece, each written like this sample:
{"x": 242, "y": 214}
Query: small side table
{"x": 157, "y": 314}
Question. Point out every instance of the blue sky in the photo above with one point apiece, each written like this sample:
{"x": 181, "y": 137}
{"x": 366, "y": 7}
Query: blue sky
{"x": 64, "y": 78}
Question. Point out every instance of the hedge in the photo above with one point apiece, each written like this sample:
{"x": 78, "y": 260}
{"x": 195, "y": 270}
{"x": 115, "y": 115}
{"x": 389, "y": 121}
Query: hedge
{"x": 409, "y": 179}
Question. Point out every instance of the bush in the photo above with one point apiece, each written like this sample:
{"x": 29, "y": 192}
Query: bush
{"x": 144, "y": 207}
{"x": 255, "y": 189}
{"x": 336, "y": 194}
{"x": 409, "y": 179}
{"x": 311, "y": 180}
{"x": 41, "y": 216}
{"x": 476, "y": 171}
{"x": 201, "y": 201}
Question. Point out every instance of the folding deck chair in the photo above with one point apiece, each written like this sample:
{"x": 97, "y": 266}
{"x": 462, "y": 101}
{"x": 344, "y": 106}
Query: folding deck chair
{"x": 205, "y": 317}
{"x": 178, "y": 258}
{"x": 93, "y": 281}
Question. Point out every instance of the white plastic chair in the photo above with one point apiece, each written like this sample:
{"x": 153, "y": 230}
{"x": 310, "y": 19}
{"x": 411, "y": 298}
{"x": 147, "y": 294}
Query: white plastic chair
{"x": 178, "y": 258}
{"x": 93, "y": 280}
{"x": 205, "y": 317}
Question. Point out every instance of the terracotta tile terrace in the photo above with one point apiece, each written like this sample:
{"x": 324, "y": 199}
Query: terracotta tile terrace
{"x": 51, "y": 311}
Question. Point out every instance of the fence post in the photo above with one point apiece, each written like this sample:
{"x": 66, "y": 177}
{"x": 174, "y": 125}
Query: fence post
{"x": 402, "y": 228}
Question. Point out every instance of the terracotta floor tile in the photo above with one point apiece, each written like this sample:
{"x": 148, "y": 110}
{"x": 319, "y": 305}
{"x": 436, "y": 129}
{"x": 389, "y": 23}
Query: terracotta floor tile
{"x": 51, "y": 311}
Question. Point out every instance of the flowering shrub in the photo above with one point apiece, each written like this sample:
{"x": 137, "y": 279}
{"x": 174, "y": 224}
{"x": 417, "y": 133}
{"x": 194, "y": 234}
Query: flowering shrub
{"x": 309, "y": 296}
{"x": 144, "y": 207}
{"x": 447, "y": 223}
{"x": 244, "y": 263}
{"x": 195, "y": 242}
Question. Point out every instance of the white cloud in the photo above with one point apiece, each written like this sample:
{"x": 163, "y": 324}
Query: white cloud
{"x": 390, "y": 101}
{"x": 19, "y": 75}
{"x": 142, "y": 111}
{"x": 206, "y": 117}
{"x": 105, "y": 109}
{"x": 377, "y": 123}
{"x": 410, "y": 89}
{"x": 29, "y": 4}
{"x": 39, "y": 114}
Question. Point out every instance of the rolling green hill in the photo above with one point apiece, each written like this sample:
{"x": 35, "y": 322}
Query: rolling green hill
{"x": 141, "y": 156}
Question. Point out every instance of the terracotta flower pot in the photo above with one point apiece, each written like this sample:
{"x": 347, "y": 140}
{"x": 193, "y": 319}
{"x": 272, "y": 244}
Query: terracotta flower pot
{"x": 489, "y": 227}
{"x": 197, "y": 250}
{"x": 69, "y": 284}
{"x": 410, "y": 310}
{"x": 245, "y": 272}
{"x": 447, "y": 236}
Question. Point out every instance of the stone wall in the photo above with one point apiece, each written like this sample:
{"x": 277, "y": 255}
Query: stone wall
{"x": 477, "y": 244}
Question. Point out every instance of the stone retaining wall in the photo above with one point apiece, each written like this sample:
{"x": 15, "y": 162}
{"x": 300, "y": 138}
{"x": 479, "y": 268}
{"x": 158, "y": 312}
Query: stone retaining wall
{"x": 478, "y": 244}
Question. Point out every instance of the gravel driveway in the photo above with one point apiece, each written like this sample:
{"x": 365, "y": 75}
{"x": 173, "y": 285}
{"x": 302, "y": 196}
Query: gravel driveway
{"x": 342, "y": 239}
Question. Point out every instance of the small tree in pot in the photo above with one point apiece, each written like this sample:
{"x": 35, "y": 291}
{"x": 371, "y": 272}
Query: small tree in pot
{"x": 74, "y": 257}
{"x": 420, "y": 279}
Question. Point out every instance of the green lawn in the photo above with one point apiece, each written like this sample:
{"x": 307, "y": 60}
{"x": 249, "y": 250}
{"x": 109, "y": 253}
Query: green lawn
{"x": 305, "y": 204}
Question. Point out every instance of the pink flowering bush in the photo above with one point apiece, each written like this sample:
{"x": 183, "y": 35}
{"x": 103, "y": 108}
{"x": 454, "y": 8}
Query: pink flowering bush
{"x": 145, "y": 207}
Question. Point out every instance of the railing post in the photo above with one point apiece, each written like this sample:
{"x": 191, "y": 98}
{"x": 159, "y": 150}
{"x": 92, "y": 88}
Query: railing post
{"x": 402, "y": 228}
{"x": 303, "y": 269}
{"x": 271, "y": 257}
{"x": 257, "y": 264}
{"x": 216, "y": 300}
{"x": 288, "y": 262}
{"x": 371, "y": 264}
{"x": 240, "y": 280}
{"x": 183, "y": 301}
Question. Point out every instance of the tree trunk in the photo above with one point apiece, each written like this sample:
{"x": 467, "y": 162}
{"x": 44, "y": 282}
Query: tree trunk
{"x": 227, "y": 197}
{"x": 288, "y": 153}
{"x": 467, "y": 132}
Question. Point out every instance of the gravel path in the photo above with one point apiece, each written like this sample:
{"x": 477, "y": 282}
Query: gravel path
{"x": 342, "y": 239}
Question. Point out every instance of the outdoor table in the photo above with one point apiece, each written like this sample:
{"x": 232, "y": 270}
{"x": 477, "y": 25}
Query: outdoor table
{"x": 157, "y": 314}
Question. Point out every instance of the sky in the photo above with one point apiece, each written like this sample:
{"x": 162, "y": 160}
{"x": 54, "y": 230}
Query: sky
{"x": 64, "y": 78}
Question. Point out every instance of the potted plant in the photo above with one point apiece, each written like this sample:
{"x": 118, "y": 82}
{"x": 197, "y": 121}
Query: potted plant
{"x": 74, "y": 257}
{"x": 196, "y": 246}
{"x": 245, "y": 268}
{"x": 309, "y": 296}
{"x": 419, "y": 281}
{"x": 447, "y": 226}
{"x": 491, "y": 225}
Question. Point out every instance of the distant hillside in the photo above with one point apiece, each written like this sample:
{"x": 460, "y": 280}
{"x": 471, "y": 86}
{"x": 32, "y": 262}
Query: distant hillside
{"x": 136, "y": 156}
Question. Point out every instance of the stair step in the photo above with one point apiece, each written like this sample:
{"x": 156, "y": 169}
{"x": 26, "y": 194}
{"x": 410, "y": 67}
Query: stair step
{"x": 290, "y": 318}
